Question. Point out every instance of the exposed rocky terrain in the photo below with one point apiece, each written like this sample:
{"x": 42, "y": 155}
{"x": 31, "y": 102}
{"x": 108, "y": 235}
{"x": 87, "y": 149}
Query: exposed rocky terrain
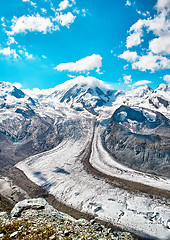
{"x": 140, "y": 139}
{"x": 36, "y": 219}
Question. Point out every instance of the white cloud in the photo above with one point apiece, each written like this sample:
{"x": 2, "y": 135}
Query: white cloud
{"x": 127, "y": 79}
{"x": 29, "y": 56}
{"x": 129, "y": 56}
{"x": 43, "y": 10}
{"x": 9, "y": 52}
{"x": 70, "y": 76}
{"x": 31, "y": 24}
{"x": 126, "y": 66}
{"x": 65, "y": 19}
{"x": 84, "y": 12}
{"x": 11, "y": 40}
{"x": 160, "y": 45}
{"x": 63, "y": 5}
{"x": 159, "y": 25}
{"x": 43, "y": 22}
{"x": 134, "y": 39}
{"x": 152, "y": 59}
{"x": 98, "y": 71}
{"x": 84, "y": 64}
{"x": 166, "y": 78}
{"x": 137, "y": 27}
{"x": 3, "y": 21}
{"x": 128, "y": 3}
{"x": 151, "y": 62}
{"x": 43, "y": 56}
{"x": 140, "y": 83}
{"x": 161, "y": 4}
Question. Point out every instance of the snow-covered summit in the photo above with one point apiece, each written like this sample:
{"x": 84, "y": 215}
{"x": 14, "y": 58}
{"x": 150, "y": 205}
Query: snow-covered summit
{"x": 87, "y": 82}
{"x": 163, "y": 87}
{"x": 11, "y": 96}
{"x": 83, "y": 92}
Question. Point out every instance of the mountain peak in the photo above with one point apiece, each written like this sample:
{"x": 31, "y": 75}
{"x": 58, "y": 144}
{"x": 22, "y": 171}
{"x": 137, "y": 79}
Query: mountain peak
{"x": 162, "y": 87}
{"x": 83, "y": 82}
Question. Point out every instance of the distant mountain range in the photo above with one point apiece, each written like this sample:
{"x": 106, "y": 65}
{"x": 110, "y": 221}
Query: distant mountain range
{"x": 136, "y": 122}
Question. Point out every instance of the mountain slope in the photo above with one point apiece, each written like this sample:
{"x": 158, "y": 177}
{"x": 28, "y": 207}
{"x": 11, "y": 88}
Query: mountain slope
{"x": 140, "y": 139}
{"x": 84, "y": 93}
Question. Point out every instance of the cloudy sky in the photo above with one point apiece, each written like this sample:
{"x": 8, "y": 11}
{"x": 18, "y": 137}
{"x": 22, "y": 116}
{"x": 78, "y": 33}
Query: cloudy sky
{"x": 125, "y": 43}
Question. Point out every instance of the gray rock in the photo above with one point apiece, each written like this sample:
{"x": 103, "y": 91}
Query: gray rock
{"x": 1, "y": 235}
{"x": 14, "y": 234}
{"x": 38, "y": 204}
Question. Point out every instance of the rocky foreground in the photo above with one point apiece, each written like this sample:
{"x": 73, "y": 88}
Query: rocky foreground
{"x": 36, "y": 219}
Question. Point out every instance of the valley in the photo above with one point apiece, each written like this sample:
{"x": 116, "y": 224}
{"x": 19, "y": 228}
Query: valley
{"x": 71, "y": 147}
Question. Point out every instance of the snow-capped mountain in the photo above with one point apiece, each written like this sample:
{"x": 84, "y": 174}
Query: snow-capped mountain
{"x": 145, "y": 97}
{"x": 11, "y": 96}
{"x": 84, "y": 93}
{"x": 25, "y": 115}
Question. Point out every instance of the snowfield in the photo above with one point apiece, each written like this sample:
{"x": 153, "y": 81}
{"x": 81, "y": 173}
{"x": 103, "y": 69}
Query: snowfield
{"x": 61, "y": 171}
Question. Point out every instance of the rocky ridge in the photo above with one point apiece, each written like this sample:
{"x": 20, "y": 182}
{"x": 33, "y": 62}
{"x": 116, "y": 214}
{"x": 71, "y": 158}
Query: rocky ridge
{"x": 36, "y": 219}
{"x": 139, "y": 138}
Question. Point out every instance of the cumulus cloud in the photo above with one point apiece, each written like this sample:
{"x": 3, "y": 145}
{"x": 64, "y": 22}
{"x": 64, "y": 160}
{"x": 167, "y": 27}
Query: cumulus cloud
{"x": 134, "y": 39}
{"x": 166, "y": 78}
{"x": 159, "y": 25}
{"x": 127, "y": 79}
{"x": 140, "y": 83}
{"x": 151, "y": 62}
{"x": 136, "y": 34}
{"x": 43, "y": 20}
{"x": 129, "y": 56}
{"x": 63, "y": 5}
{"x": 65, "y": 19}
{"x": 154, "y": 58}
{"x": 85, "y": 64}
{"x": 9, "y": 52}
{"x": 30, "y": 24}
{"x": 161, "y": 4}
{"x": 161, "y": 45}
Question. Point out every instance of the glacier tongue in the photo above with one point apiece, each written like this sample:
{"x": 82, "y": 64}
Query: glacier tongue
{"x": 64, "y": 173}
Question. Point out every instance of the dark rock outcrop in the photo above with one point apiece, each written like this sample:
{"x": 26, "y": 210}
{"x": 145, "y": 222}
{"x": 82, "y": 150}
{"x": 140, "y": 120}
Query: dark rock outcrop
{"x": 139, "y": 139}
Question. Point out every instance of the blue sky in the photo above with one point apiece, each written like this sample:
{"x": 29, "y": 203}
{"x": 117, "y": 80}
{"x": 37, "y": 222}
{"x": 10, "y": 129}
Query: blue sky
{"x": 125, "y": 43}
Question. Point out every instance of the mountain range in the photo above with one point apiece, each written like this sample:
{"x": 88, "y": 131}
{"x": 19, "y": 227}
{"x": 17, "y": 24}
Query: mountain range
{"x": 96, "y": 150}
{"x": 31, "y": 123}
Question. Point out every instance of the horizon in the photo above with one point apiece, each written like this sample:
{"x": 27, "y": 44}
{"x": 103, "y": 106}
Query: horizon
{"x": 105, "y": 85}
{"x": 124, "y": 43}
